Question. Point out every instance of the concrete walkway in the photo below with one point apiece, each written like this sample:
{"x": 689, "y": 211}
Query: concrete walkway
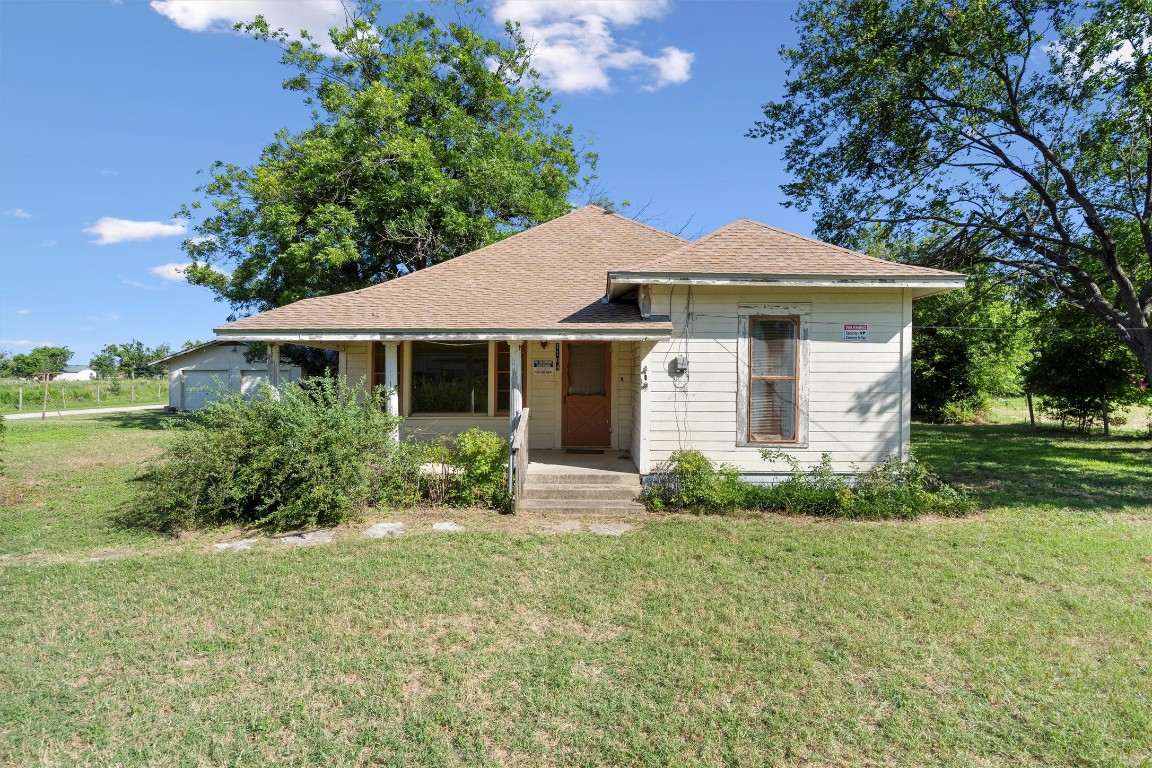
{"x": 84, "y": 411}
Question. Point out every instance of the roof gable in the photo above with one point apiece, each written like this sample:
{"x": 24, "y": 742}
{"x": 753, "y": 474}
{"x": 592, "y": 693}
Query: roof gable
{"x": 549, "y": 277}
{"x": 747, "y": 247}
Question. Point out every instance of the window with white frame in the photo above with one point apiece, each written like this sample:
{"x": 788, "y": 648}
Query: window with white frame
{"x": 449, "y": 377}
{"x": 773, "y": 402}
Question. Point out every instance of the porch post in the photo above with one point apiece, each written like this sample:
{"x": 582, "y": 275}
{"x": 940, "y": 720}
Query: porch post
{"x": 391, "y": 384}
{"x": 515, "y": 383}
{"x": 274, "y": 364}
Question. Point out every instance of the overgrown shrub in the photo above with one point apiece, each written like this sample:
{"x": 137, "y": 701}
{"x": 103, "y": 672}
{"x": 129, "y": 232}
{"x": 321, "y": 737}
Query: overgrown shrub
{"x": 482, "y": 458}
{"x": 467, "y": 470}
{"x": 303, "y": 455}
{"x": 895, "y": 488}
{"x": 690, "y": 481}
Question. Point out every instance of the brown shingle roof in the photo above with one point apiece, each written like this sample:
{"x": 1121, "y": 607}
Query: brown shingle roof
{"x": 747, "y": 247}
{"x": 549, "y": 277}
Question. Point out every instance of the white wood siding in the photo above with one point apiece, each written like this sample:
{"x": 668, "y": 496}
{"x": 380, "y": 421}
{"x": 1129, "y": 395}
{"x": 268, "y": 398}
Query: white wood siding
{"x": 638, "y": 444}
{"x": 429, "y": 427}
{"x": 543, "y": 399}
{"x": 356, "y": 364}
{"x": 623, "y": 372}
{"x": 857, "y": 391}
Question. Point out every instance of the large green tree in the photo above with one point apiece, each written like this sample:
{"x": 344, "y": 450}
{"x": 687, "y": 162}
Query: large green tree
{"x": 428, "y": 140}
{"x": 41, "y": 360}
{"x": 1011, "y": 132}
{"x": 969, "y": 346}
{"x": 1080, "y": 371}
{"x": 131, "y": 359}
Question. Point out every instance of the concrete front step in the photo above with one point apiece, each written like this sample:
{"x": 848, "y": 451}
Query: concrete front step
{"x": 582, "y": 478}
{"x": 602, "y": 492}
{"x": 558, "y": 506}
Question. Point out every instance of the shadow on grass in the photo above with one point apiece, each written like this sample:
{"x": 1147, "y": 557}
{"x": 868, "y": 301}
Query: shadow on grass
{"x": 150, "y": 420}
{"x": 1014, "y": 466}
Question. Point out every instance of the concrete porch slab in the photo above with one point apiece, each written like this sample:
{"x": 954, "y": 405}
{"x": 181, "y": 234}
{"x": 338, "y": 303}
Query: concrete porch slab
{"x": 613, "y": 462}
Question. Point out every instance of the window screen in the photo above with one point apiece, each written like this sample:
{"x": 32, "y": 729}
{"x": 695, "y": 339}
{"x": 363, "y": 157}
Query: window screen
{"x": 504, "y": 374}
{"x": 586, "y": 369}
{"x": 774, "y": 379}
{"x": 449, "y": 377}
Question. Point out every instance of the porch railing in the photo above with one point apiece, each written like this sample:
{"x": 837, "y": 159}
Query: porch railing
{"x": 518, "y": 458}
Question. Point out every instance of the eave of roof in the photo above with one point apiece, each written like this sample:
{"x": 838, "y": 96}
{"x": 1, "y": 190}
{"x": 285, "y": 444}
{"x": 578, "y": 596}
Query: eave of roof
{"x": 620, "y": 283}
{"x": 649, "y": 330}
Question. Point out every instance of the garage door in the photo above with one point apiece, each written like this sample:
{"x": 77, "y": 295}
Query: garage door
{"x": 250, "y": 382}
{"x": 199, "y": 387}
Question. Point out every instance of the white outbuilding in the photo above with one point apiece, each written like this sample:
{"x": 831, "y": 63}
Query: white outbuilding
{"x": 197, "y": 373}
{"x": 75, "y": 373}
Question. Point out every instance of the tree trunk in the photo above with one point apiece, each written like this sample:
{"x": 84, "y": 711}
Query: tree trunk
{"x": 1031, "y": 413}
{"x": 1107, "y": 429}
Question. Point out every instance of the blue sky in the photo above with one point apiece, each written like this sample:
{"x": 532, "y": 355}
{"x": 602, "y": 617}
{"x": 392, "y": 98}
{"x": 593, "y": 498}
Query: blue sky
{"x": 109, "y": 109}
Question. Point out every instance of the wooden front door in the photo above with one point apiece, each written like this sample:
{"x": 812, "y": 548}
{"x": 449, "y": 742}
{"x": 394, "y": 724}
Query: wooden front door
{"x": 586, "y": 417}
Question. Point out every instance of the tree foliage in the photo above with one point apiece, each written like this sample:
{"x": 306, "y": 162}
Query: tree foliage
{"x": 41, "y": 360}
{"x": 969, "y": 346}
{"x": 428, "y": 140}
{"x": 1081, "y": 371}
{"x": 131, "y": 359}
{"x": 1013, "y": 132}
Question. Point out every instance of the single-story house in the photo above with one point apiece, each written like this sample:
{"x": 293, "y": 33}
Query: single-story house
{"x": 618, "y": 336}
{"x": 75, "y": 373}
{"x": 193, "y": 373}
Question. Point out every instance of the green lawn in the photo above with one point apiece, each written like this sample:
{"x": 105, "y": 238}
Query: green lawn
{"x": 1022, "y": 636}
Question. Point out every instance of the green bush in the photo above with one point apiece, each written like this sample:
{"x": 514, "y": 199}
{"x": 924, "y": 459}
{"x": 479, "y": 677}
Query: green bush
{"x": 690, "y": 481}
{"x": 893, "y": 489}
{"x": 482, "y": 458}
{"x": 304, "y": 455}
{"x": 467, "y": 470}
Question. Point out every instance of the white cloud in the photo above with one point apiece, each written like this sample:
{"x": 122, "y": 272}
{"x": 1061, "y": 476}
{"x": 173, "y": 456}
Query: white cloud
{"x": 574, "y": 44}
{"x": 173, "y": 272}
{"x": 1123, "y": 55}
{"x": 316, "y": 16}
{"x": 110, "y": 230}
{"x": 24, "y": 343}
{"x": 19, "y": 213}
{"x": 23, "y": 311}
{"x": 107, "y": 316}
{"x": 137, "y": 284}
{"x": 47, "y": 243}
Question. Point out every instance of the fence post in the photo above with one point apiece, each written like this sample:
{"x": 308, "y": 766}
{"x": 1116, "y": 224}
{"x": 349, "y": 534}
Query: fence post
{"x": 63, "y": 400}
{"x": 97, "y": 394}
{"x": 1031, "y": 413}
{"x": 20, "y": 404}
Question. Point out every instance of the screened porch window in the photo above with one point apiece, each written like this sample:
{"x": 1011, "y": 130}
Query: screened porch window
{"x": 774, "y": 379}
{"x": 504, "y": 374}
{"x": 449, "y": 377}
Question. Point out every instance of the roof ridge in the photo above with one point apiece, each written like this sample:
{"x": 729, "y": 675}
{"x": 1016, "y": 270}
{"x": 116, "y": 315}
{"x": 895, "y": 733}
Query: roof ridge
{"x": 647, "y": 226}
{"x": 808, "y": 239}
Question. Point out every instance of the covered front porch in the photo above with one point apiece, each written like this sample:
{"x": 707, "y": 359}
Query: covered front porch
{"x": 579, "y": 393}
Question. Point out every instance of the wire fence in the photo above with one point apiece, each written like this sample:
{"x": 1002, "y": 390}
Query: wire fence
{"x": 22, "y": 396}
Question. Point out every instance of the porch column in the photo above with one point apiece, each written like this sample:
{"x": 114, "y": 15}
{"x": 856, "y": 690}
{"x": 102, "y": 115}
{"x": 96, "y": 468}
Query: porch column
{"x": 515, "y": 383}
{"x": 274, "y": 364}
{"x": 392, "y": 384}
